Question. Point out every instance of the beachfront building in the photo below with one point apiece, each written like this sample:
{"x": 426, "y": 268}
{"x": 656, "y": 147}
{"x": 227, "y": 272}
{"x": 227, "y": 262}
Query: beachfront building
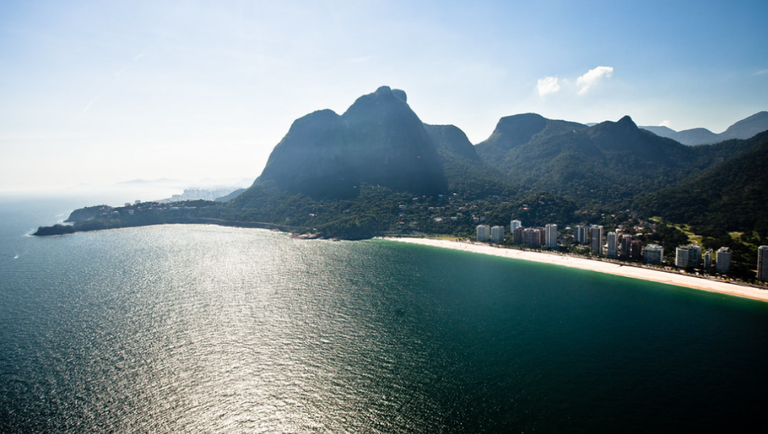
{"x": 533, "y": 237}
{"x": 497, "y": 234}
{"x": 517, "y": 235}
{"x": 483, "y": 233}
{"x": 626, "y": 246}
{"x": 580, "y": 234}
{"x": 707, "y": 261}
{"x": 636, "y": 250}
{"x": 762, "y": 263}
{"x": 596, "y": 234}
{"x": 688, "y": 256}
{"x": 612, "y": 245}
{"x": 514, "y": 224}
{"x": 654, "y": 254}
{"x": 723, "y": 260}
{"x": 550, "y": 236}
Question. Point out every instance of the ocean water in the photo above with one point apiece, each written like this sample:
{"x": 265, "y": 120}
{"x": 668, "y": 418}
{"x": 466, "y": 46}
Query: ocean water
{"x": 196, "y": 328}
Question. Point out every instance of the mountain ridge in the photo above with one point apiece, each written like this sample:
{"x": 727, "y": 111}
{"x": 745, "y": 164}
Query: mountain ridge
{"x": 377, "y": 168}
{"x": 609, "y": 162}
{"x": 743, "y": 129}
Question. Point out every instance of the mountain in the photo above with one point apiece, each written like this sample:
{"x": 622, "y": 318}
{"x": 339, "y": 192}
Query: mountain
{"x": 378, "y": 169}
{"x": 743, "y": 129}
{"x": 746, "y": 128}
{"x": 450, "y": 138}
{"x": 610, "y": 163}
{"x": 726, "y": 197}
{"x": 362, "y": 173}
{"x": 379, "y": 140}
{"x": 513, "y": 131}
{"x": 692, "y": 137}
{"x": 465, "y": 171}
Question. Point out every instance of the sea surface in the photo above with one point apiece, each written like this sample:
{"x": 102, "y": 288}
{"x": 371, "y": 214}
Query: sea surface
{"x": 197, "y": 328}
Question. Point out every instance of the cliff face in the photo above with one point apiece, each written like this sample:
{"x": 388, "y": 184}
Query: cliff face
{"x": 379, "y": 140}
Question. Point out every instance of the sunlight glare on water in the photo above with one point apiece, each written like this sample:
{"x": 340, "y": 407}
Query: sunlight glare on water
{"x": 215, "y": 329}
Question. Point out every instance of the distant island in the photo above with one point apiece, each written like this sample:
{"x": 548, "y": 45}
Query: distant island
{"x": 378, "y": 170}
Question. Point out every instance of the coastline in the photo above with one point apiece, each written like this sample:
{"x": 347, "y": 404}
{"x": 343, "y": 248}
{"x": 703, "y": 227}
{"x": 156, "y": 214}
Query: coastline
{"x": 598, "y": 266}
{"x": 66, "y": 229}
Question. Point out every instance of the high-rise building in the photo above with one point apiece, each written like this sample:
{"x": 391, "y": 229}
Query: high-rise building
{"x": 626, "y": 246}
{"x": 612, "y": 246}
{"x": 532, "y": 237}
{"x": 654, "y": 254}
{"x": 596, "y": 242}
{"x": 707, "y": 261}
{"x": 636, "y": 250}
{"x": 762, "y": 263}
{"x": 580, "y": 234}
{"x": 514, "y": 224}
{"x": 517, "y": 235}
{"x": 723, "y": 260}
{"x": 483, "y": 232}
{"x": 497, "y": 234}
{"x": 688, "y": 256}
{"x": 550, "y": 236}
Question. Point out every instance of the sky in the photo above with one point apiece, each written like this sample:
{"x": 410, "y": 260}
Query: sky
{"x": 94, "y": 93}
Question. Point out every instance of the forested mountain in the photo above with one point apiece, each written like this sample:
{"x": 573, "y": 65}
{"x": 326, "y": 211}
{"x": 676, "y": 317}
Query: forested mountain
{"x": 610, "y": 163}
{"x": 516, "y": 130}
{"x": 731, "y": 196}
{"x": 349, "y": 175}
{"x": 353, "y": 173}
{"x": 377, "y": 169}
{"x": 743, "y": 129}
{"x": 465, "y": 171}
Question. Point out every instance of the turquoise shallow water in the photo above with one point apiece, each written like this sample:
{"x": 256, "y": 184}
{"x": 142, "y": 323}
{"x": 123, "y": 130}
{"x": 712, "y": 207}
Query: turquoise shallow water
{"x": 213, "y": 329}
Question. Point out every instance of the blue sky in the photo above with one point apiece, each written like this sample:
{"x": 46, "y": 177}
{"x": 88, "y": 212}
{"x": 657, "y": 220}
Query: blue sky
{"x": 101, "y": 92}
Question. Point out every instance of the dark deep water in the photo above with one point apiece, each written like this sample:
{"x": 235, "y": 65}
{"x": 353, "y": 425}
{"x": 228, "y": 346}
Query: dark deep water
{"x": 214, "y": 329}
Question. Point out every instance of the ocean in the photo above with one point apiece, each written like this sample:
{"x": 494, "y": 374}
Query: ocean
{"x": 198, "y": 328}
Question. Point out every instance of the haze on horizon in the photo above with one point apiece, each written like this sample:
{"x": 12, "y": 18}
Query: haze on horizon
{"x": 103, "y": 92}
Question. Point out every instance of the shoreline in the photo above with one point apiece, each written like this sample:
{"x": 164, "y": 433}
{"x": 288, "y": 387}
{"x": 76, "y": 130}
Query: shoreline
{"x": 598, "y": 266}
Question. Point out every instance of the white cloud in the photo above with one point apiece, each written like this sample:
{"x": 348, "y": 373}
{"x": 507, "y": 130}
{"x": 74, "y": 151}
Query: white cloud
{"x": 547, "y": 85}
{"x": 139, "y": 56}
{"x": 665, "y": 123}
{"x": 592, "y": 77}
{"x": 762, "y": 72}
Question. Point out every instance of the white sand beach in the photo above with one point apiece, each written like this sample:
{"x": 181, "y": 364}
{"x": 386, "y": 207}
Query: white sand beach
{"x": 599, "y": 266}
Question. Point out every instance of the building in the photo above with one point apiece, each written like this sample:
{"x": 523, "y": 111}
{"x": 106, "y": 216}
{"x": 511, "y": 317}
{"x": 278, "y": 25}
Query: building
{"x": 626, "y": 246}
{"x": 517, "y": 235}
{"x": 596, "y": 242}
{"x": 580, "y": 234}
{"x": 688, "y": 256}
{"x": 550, "y": 236}
{"x": 654, "y": 254}
{"x": 707, "y": 262}
{"x": 497, "y": 234}
{"x": 612, "y": 246}
{"x": 514, "y": 224}
{"x": 636, "y": 250}
{"x": 533, "y": 237}
{"x": 483, "y": 233}
{"x": 723, "y": 260}
{"x": 762, "y": 263}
